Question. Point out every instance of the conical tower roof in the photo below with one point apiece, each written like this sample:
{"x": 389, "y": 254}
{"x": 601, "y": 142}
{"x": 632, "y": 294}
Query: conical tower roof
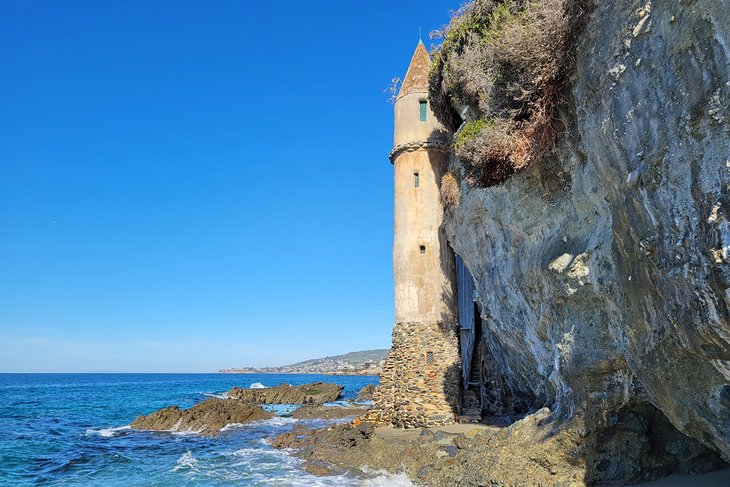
{"x": 416, "y": 80}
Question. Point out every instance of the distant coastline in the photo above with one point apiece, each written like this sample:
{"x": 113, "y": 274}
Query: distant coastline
{"x": 364, "y": 362}
{"x": 369, "y": 373}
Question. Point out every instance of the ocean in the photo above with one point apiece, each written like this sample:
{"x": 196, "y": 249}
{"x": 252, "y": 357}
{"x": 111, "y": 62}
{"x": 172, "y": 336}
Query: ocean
{"x": 71, "y": 429}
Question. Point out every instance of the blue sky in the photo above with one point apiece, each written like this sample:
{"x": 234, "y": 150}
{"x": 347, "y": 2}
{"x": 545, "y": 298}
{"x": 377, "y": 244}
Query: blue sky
{"x": 190, "y": 185}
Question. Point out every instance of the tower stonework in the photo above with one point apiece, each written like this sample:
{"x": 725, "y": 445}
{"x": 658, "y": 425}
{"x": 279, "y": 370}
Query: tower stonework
{"x": 420, "y": 382}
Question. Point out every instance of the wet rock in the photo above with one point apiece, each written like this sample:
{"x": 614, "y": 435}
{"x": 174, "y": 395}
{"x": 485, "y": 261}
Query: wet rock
{"x": 314, "y": 393}
{"x": 206, "y": 418}
{"x": 341, "y": 436}
{"x": 327, "y": 412}
{"x": 319, "y": 469}
{"x": 366, "y": 393}
{"x": 298, "y": 437}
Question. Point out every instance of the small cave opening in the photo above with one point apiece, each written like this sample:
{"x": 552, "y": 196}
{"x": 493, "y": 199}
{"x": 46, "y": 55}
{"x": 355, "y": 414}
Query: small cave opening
{"x": 639, "y": 444}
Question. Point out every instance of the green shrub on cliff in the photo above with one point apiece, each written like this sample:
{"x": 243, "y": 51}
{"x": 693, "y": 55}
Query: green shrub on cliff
{"x": 471, "y": 130}
{"x": 503, "y": 67}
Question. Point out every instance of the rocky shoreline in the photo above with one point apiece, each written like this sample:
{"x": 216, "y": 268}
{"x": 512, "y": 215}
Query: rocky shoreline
{"x": 537, "y": 450}
{"x": 534, "y": 449}
{"x": 242, "y": 406}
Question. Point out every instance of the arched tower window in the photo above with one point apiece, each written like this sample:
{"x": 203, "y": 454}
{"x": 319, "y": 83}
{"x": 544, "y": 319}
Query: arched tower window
{"x": 422, "y": 106}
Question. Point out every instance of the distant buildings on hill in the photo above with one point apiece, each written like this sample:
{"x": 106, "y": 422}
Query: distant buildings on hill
{"x": 367, "y": 362}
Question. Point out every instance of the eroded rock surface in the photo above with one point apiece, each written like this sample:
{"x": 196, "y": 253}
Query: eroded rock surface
{"x": 529, "y": 452}
{"x": 314, "y": 393}
{"x": 537, "y": 450}
{"x": 206, "y": 418}
{"x": 366, "y": 393}
{"x": 602, "y": 273}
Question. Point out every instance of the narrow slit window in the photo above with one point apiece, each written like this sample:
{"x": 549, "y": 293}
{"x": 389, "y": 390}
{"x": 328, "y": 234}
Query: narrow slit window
{"x": 416, "y": 180}
{"x": 422, "y": 249}
{"x": 429, "y": 358}
{"x": 422, "y": 109}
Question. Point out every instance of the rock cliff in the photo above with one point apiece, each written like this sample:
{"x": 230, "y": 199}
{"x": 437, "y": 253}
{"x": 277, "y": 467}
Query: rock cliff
{"x": 601, "y": 270}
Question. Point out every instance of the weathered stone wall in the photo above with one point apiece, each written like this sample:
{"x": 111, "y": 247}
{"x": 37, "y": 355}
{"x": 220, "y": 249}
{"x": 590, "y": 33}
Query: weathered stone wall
{"x": 420, "y": 382}
{"x": 423, "y": 264}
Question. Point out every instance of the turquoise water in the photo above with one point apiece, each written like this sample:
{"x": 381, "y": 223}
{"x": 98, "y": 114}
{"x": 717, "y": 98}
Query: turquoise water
{"x": 69, "y": 429}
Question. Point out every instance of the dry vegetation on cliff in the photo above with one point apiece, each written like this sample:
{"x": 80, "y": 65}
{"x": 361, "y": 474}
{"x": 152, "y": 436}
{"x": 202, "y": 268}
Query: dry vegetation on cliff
{"x": 502, "y": 69}
{"x": 604, "y": 290}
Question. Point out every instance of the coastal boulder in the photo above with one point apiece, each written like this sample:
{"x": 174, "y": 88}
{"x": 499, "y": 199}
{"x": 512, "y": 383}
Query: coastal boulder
{"x": 314, "y": 393}
{"x": 327, "y": 412}
{"x": 366, "y": 393}
{"x": 206, "y": 418}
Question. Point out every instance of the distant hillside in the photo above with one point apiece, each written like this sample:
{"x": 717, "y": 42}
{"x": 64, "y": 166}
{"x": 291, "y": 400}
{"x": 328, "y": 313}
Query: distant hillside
{"x": 365, "y": 362}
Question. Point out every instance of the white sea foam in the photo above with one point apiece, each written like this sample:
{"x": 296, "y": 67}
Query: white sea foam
{"x": 278, "y": 467}
{"x": 384, "y": 479}
{"x": 221, "y": 395}
{"x": 276, "y": 421}
{"x": 257, "y": 385}
{"x": 108, "y": 432}
{"x": 247, "y": 452}
{"x": 186, "y": 461}
{"x": 232, "y": 426}
{"x": 188, "y": 432}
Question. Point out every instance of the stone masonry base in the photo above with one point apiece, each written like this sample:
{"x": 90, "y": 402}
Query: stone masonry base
{"x": 420, "y": 382}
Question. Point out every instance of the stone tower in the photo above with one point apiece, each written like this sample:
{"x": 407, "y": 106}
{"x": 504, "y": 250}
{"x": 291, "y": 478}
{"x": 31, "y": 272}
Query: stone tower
{"x": 420, "y": 383}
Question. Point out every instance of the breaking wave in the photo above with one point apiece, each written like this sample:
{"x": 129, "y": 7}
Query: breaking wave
{"x": 384, "y": 479}
{"x": 276, "y": 421}
{"x": 186, "y": 461}
{"x": 217, "y": 395}
{"x": 257, "y": 385}
{"x": 108, "y": 432}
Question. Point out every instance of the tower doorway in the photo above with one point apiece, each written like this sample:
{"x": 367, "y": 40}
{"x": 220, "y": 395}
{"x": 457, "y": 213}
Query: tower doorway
{"x": 471, "y": 343}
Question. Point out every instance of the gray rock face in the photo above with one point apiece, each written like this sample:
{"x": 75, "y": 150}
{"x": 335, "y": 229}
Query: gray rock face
{"x": 314, "y": 393}
{"x": 206, "y": 418}
{"x": 366, "y": 393}
{"x": 602, "y": 274}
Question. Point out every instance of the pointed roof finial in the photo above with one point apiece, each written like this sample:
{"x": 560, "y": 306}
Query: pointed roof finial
{"x": 416, "y": 79}
{"x": 420, "y": 36}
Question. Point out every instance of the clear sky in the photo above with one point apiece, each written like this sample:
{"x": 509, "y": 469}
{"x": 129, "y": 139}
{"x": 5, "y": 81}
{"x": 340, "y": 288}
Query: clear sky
{"x": 191, "y": 185}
